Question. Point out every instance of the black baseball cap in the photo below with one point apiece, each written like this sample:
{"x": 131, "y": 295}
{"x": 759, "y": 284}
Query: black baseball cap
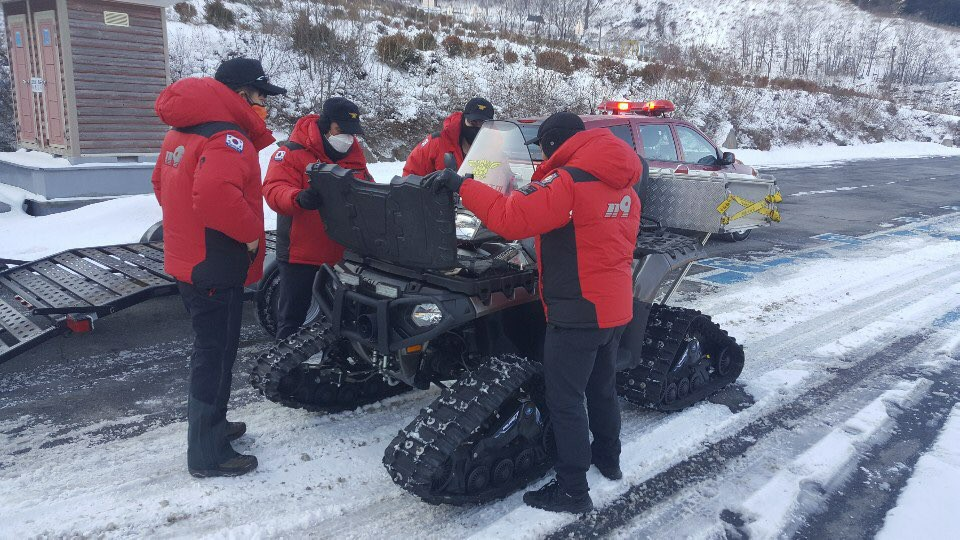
{"x": 239, "y": 72}
{"x": 345, "y": 113}
{"x": 564, "y": 124}
{"x": 478, "y": 109}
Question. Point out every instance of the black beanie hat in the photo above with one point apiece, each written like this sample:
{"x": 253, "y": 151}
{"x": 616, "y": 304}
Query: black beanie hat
{"x": 555, "y": 130}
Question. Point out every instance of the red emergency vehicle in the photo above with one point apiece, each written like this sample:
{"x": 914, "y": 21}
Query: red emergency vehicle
{"x": 668, "y": 144}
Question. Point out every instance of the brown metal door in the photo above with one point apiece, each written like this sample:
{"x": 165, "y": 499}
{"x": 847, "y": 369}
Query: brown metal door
{"x": 19, "y": 47}
{"x": 48, "y": 45}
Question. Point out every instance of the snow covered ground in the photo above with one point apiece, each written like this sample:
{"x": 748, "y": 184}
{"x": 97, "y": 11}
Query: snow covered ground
{"x": 43, "y": 160}
{"x": 804, "y": 323}
{"x": 825, "y": 155}
{"x": 926, "y": 508}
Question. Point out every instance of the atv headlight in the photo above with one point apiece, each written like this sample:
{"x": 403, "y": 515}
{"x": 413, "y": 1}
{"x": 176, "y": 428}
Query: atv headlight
{"x": 425, "y": 315}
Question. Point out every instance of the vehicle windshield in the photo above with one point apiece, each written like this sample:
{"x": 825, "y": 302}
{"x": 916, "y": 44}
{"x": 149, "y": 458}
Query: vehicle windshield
{"x": 498, "y": 157}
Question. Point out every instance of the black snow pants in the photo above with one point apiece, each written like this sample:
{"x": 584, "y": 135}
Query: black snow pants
{"x": 296, "y": 292}
{"x": 579, "y": 365}
{"x": 216, "y": 315}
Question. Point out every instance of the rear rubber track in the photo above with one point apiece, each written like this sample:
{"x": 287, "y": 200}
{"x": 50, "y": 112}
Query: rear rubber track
{"x": 652, "y": 384}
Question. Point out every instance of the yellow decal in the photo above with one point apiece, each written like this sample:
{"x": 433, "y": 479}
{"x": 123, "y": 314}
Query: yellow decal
{"x": 482, "y": 167}
{"x": 482, "y": 107}
{"x": 353, "y": 115}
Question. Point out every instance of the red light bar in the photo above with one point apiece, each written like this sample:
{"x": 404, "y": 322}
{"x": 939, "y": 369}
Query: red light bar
{"x": 657, "y": 107}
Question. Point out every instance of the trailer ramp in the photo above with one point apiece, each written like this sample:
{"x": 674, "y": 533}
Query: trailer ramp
{"x": 68, "y": 291}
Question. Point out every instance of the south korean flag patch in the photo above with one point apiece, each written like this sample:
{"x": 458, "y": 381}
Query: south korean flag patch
{"x": 279, "y": 155}
{"x": 235, "y": 142}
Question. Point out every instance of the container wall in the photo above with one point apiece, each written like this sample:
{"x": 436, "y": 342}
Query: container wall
{"x": 118, "y": 71}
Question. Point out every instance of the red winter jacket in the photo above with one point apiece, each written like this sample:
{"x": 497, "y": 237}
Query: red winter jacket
{"x": 207, "y": 180}
{"x": 585, "y": 215}
{"x": 427, "y": 157}
{"x": 301, "y": 236}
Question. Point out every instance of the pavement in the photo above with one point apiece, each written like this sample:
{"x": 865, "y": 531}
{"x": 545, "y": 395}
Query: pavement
{"x": 135, "y": 364}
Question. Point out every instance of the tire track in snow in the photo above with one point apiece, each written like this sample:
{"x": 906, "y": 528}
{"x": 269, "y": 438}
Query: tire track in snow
{"x": 705, "y": 464}
{"x": 858, "y": 509}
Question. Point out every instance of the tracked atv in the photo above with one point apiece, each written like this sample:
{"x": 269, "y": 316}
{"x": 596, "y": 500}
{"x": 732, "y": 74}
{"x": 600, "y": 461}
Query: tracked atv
{"x": 425, "y": 295}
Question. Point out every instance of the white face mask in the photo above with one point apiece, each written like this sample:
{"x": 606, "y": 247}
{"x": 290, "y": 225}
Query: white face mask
{"x": 342, "y": 142}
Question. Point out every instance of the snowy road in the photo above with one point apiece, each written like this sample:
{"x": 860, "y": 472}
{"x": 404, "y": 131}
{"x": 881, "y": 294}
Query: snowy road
{"x": 851, "y": 374}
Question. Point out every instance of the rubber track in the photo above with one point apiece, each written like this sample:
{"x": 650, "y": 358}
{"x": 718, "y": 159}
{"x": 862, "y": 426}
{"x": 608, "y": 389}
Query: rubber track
{"x": 667, "y": 326}
{"x": 420, "y": 450}
{"x": 284, "y": 356}
{"x": 265, "y": 300}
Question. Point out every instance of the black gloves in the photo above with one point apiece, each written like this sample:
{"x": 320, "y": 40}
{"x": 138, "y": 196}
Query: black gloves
{"x": 445, "y": 179}
{"x": 309, "y": 199}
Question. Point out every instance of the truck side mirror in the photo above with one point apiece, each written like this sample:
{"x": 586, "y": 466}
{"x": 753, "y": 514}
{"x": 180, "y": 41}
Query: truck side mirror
{"x": 728, "y": 158}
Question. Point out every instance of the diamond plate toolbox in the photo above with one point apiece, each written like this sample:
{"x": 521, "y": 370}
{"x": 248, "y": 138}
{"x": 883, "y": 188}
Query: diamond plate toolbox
{"x": 690, "y": 201}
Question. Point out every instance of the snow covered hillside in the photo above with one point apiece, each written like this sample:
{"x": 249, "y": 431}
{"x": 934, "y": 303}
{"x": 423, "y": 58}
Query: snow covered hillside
{"x": 756, "y": 74}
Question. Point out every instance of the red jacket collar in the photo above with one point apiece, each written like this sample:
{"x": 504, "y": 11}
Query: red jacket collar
{"x": 599, "y": 153}
{"x": 451, "y": 130}
{"x": 198, "y": 100}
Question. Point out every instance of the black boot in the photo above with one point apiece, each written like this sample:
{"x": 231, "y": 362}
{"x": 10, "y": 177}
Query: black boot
{"x": 553, "y": 498}
{"x": 235, "y": 430}
{"x": 610, "y": 471}
{"x": 235, "y": 466}
{"x": 605, "y": 454}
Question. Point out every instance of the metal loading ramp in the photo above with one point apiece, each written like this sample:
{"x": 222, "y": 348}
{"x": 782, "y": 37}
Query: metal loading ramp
{"x": 68, "y": 291}
{"x": 63, "y": 292}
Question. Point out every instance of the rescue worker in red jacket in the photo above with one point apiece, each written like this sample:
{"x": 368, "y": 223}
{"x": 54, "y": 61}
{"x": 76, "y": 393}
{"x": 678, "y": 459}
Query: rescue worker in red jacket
{"x": 207, "y": 180}
{"x": 585, "y": 214}
{"x": 459, "y": 131}
{"x": 302, "y": 244}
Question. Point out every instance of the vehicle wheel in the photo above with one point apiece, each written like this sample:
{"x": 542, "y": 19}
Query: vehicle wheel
{"x": 153, "y": 234}
{"x": 738, "y": 236}
{"x": 268, "y": 302}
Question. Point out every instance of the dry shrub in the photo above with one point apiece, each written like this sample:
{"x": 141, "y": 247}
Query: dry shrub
{"x": 425, "y": 41}
{"x": 510, "y": 57}
{"x": 653, "y": 73}
{"x": 786, "y": 83}
{"x": 453, "y": 45}
{"x": 397, "y": 51}
{"x": 308, "y": 38}
{"x": 470, "y": 49}
{"x": 579, "y": 62}
{"x": 612, "y": 70}
{"x": 219, "y": 15}
{"x": 554, "y": 61}
{"x": 715, "y": 77}
{"x": 186, "y": 11}
{"x": 487, "y": 49}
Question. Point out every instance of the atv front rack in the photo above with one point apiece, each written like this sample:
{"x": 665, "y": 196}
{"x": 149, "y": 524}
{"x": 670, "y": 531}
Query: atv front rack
{"x": 505, "y": 281}
{"x": 66, "y": 292}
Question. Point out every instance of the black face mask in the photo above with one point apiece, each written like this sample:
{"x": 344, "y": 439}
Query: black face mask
{"x": 468, "y": 133}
